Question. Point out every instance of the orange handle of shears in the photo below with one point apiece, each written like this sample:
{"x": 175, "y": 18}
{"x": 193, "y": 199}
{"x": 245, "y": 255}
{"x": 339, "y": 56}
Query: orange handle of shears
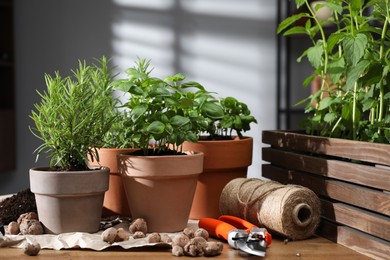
{"x": 215, "y": 227}
{"x": 220, "y": 227}
{"x": 237, "y": 222}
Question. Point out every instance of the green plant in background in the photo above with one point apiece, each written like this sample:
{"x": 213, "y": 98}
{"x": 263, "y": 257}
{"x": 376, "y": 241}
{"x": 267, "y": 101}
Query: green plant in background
{"x": 237, "y": 117}
{"x": 120, "y": 133}
{"x": 353, "y": 62}
{"x": 73, "y": 115}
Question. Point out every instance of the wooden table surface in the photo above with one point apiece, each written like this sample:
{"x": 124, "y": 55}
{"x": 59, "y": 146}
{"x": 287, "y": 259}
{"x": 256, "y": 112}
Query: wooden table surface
{"x": 313, "y": 248}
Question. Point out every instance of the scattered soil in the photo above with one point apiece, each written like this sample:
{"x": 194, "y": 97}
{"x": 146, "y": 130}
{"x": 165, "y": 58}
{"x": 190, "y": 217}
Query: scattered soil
{"x": 11, "y": 208}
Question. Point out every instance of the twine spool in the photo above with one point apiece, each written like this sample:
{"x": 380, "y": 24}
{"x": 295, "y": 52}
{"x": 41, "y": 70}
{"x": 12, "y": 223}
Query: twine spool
{"x": 291, "y": 211}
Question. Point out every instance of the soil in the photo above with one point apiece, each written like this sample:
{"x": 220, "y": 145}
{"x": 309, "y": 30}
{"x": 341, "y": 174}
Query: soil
{"x": 155, "y": 152}
{"x": 11, "y": 208}
{"x": 215, "y": 138}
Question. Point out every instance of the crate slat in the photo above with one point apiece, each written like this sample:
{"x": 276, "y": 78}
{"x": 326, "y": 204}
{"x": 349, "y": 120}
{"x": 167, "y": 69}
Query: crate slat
{"x": 371, "y": 176}
{"x": 361, "y": 242}
{"x": 368, "y": 222}
{"x": 352, "y": 194}
{"x": 364, "y": 151}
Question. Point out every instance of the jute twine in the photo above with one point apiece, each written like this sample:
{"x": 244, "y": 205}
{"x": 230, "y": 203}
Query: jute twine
{"x": 291, "y": 211}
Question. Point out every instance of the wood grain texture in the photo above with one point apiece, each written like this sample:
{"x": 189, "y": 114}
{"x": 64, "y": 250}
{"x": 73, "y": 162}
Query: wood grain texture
{"x": 364, "y": 151}
{"x": 363, "y": 197}
{"x": 352, "y": 179}
{"x": 371, "y": 176}
{"x": 358, "y": 241}
{"x": 315, "y": 248}
{"x": 368, "y": 222}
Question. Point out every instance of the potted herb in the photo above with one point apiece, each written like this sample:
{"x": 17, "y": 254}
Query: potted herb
{"x": 345, "y": 151}
{"x": 228, "y": 153}
{"x": 160, "y": 178}
{"x": 71, "y": 120}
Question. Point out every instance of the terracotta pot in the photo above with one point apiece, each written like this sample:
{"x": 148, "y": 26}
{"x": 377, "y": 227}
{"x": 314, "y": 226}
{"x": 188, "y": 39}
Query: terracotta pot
{"x": 160, "y": 189}
{"x": 224, "y": 160}
{"x": 115, "y": 201}
{"x": 69, "y": 201}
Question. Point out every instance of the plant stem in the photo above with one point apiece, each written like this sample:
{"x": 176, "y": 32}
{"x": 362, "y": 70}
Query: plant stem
{"x": 354, "y": 111}
{"x": 324, "y": 46}
{"x": 381, "y": 89}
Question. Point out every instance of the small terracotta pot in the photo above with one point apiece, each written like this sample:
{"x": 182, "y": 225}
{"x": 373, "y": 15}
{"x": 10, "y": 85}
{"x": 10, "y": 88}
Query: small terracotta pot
{"x": 69, "y": 201}
{"x": 160, "y": 189}
{"x": 115, "y": 201}
{"x": 224, "y": 160}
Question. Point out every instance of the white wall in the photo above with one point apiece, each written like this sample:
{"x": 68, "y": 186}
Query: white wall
{"x": 227, "y": 45}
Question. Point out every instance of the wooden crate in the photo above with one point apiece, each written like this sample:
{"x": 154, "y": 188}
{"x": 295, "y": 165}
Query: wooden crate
{"x": 351, "y": 178}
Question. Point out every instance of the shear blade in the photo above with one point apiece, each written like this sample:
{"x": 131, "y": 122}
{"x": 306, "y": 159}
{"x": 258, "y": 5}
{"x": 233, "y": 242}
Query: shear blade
{"x": 252, "y": 248}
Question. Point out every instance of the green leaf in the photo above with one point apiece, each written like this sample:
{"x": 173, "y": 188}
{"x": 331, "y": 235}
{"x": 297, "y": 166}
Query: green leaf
{"x": 373, "y": 75}
{"x": 336, "y": 69}
{"x": 169, "y": 129}
{"x": 138, "y": 111}
{"x": 175, "y": 78}
{"x": 368, "y": 104}
{"x": 122, "y": 85}
{"x": 290, "y": 20}
{"x": 346, "y": 111}
{"x": 308, "y": 80}
{"x": 299, "y": 3}
{"x": 334, "y": 7}
{"x": 136, "y": 90}
{"x": 334, "y": 39}
{"x": 134, "y": 74}
{"x": 159, "y": 91}
{"x": 179, "y": 121}
{"x": 156, "y": 127}
{"x": 186, "y": 102}
{"x": 191, "y": 137}
{"x": 356, "y": 5}
{"x": 325, "y": 103}
{"x": 355, "y": 72}
{"x": 295, "y": 30}
{"x": 354, "y": 48}
{"x": 314, "y": 54}
{"x": 330, "y": 117}
{"x": 192, "y": 84}
{"x": 212, "y": 110}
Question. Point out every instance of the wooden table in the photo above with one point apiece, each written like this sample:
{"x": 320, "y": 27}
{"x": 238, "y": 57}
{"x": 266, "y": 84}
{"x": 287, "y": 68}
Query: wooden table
{"x": 313, "y": 248}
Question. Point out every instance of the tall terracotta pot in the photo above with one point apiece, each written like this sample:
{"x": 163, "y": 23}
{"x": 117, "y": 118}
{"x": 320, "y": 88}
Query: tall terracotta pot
{"x": 160, "y": 189}
{"x": 115, "y": 201}
{"x": 69, "y": 201}
{"x": 224, "y": 160}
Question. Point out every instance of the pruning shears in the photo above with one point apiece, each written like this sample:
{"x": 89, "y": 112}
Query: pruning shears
{"x": 239, "y": 233}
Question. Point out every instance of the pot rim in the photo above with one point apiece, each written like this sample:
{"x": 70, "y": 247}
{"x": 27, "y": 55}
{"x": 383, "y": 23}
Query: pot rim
{"x": 190, "y": 153}
{"x": 47, "y": 169}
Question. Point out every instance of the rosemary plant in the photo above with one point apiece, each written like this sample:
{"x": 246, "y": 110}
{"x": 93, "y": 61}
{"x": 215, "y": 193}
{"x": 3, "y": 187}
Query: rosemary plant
{"x": 73, "y": 115}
